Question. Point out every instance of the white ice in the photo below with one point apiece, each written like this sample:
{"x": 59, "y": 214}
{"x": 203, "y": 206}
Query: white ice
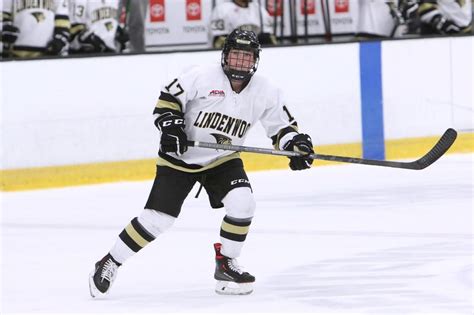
{"x": 335, "y": 239}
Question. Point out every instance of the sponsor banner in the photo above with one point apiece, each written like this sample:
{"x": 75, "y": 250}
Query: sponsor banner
{"x": 308, "y": 7}
{"x": 275, "y": 7}
{"x": 341, "y": 6}
{"x": 193, "y": 10}
{"x": 314, "y": 17}
{"x": 157, "y": 10}
{"x": 185, "y": 22}
{"x": 177, "y": 22}
{"x": 344, "y": 16}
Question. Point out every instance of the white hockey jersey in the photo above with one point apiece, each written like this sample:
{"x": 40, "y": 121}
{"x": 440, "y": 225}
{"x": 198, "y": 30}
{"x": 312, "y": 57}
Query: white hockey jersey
{"x": 96, "y": 16}
{"x": 36, "y": 20}
{"x": 215, "y": 113}
{"x": 375, "y": 18}
{"x": 228, "y": 16}
{"x": 457, "y": 11}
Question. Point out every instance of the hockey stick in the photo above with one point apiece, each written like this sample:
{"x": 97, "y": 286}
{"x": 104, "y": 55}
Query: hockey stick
{"x": 443, "y": 144}
{"x": 326, "y": 20}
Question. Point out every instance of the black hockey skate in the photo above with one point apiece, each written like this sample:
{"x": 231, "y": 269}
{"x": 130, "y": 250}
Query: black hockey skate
{"x": 231, "y": 280}
{"x": 103, "y": 276}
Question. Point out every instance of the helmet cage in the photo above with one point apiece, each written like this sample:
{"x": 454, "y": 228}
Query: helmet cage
{"x": 240, "y": 40}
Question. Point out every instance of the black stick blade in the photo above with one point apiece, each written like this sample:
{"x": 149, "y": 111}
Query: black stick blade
{"x": 440, "y": 148}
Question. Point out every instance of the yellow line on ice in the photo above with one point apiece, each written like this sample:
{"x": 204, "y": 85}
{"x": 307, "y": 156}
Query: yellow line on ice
{"x": 139, "y": 170}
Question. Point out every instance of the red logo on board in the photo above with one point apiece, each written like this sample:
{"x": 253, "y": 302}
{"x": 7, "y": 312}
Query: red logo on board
{"x": 342, "y": 6}
{"x": 310, "y": 7}
{"x": 274, "y": 9}
{"x": 157, "y": 11}
{"x": 193, "y": 10}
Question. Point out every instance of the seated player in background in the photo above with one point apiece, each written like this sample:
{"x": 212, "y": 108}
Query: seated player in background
{"x": 38, "y": 29}
{"x": 243, "y": 14}
{"x": 95, "y": 27}
{"x": 441, "y": 16}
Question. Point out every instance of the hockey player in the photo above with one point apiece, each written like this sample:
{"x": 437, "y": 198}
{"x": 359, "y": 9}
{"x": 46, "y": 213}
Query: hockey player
{"x": 443, "y": 16}
{"x": 218, "y": 103}
{"x": 35, "y": 28}
{"x": 95, "y": 27}
{"x": 243, "y": 14}
{"x": 9, "y": 33}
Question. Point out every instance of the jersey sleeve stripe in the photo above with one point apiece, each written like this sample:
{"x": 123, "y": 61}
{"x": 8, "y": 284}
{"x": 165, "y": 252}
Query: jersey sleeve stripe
{"x": 276, "y": 138}
{"x": 62, "y": 21}
{"x": 76, "y": 28}
{"x": 6, "y": 17}
{"x": 165, "y": 104}
{"x": 168, "y": 97}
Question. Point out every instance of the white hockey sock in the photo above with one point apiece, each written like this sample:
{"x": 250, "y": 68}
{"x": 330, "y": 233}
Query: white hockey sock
{"x": 139, "y": 233}
{"x": 240, "y": 207}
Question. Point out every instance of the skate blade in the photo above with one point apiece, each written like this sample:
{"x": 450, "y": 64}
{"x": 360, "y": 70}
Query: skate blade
{"x": 233, "y": 288}
{"x": 95, "y": 293}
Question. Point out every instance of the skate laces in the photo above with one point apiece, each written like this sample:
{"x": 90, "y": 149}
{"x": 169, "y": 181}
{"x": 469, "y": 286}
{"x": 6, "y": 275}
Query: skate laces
{"x": 109, "y": 270}
{"x": 234, "y": 266}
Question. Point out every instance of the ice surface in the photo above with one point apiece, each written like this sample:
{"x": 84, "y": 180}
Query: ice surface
{"x": 336, "y": 239}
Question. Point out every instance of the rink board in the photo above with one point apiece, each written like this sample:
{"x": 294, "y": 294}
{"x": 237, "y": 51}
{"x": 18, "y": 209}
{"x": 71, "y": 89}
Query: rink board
{"x": 96, "y": 125}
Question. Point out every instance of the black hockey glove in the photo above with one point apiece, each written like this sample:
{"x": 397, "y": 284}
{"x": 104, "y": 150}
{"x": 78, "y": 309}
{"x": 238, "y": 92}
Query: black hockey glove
{"x": 122, "y": 38}
{"x": 91, "y": 43}
{"x": 300, "y": 143}
{"x": 59, "y": 45}
{"x": 443, "y": 26}
{"x": 173, "y": 137}
{"x": 9, "y": 33}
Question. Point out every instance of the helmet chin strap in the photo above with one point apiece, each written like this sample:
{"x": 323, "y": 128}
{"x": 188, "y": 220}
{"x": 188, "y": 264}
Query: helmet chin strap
{"x": 236, "y": 75}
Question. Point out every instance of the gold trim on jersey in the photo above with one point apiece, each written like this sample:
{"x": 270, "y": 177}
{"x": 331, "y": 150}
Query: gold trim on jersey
{"x": 219, "y": 42}
{"x": 6, "y": 16}
{"x": 26, "y": 53}
{"x": 170, "y": 105}
{"x": 163, "y": 162}
{"x": 62, "y": 24}
{"x": 426, "y": 6}
{"x": 279, "y": 135}
{"x": 76, "y": 28}
{"x": 467, "y": 29}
